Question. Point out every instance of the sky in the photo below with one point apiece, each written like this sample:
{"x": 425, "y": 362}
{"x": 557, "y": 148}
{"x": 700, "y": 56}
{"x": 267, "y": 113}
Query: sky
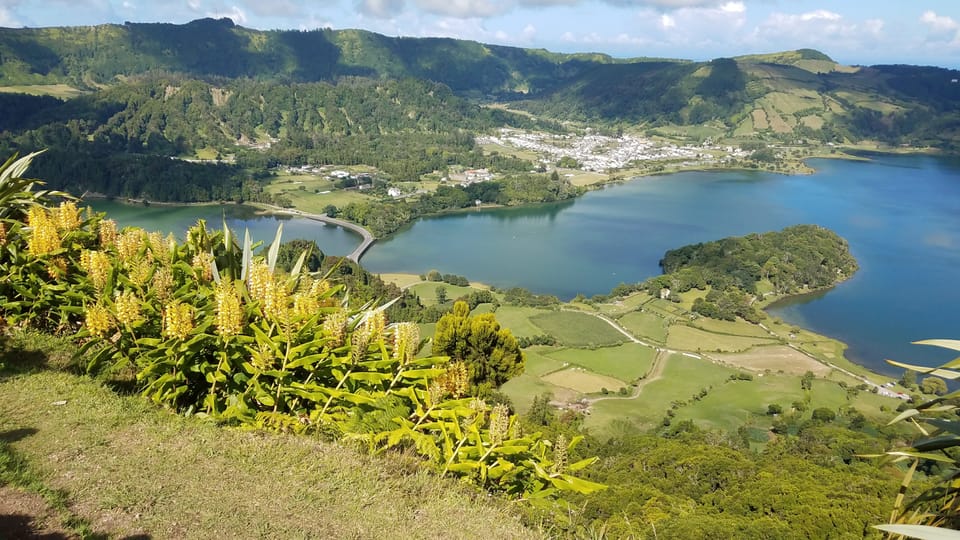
{"x": 853, "y": 32}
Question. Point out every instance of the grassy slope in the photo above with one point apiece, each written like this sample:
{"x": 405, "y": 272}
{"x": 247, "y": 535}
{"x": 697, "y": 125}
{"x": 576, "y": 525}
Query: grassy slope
{"x": 128, "y": 468}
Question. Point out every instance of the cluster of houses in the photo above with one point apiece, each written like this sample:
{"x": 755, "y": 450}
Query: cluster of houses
{"x": 594, "y": 152}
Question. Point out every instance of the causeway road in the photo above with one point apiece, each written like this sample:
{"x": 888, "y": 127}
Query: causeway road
{"x": 355, "y": 255}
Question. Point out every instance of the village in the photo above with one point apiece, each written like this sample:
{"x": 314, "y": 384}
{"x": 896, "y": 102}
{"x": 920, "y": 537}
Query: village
{"x": 603, "y": 153}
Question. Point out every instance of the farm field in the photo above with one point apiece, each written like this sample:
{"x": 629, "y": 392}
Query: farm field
{"x": 577, "y": 329}
{"x": 625, "y": 362}
{"x": 777, "y": 358}
{"x": 686, "y": 338}
{"x": 427, "y": 291}
{"x": 645, "y": 325}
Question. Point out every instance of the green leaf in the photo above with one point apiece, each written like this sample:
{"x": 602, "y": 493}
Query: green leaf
{"x": 274, "y": 249}
{"x": 937, "y": 443}
{"x": 369, "y": 376}
{"x": 952, "y": 344}
{"x": 903, "y": 416}
{"x": 944, "y": 373}
{"x": 921, "y": 455}
{"x": 923, "y": 532}
{"x": 582, "y": 464}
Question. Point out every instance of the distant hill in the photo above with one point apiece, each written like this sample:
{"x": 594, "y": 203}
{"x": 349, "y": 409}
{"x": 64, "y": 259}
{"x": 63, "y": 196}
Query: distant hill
{"x": 789, "y": 94}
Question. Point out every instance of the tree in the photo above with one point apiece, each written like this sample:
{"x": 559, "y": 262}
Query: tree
{"x": 806, "y": 382}
{"x": 909, "y": 379}
{"x": 441, "y": 294}
{"x": 933, "y": 385}
{"x": 491, "y": 353}
{"x": 774, "y": 409}
{"x": 824, "y": 415}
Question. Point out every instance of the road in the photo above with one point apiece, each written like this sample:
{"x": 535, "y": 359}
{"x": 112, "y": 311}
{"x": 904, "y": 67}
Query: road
{"x": 355, "y": 255}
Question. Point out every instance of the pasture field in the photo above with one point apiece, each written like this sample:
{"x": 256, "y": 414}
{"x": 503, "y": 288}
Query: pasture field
{"x": 308, "y": 200}
{"x": 583, "y": 381}
{"x": 626, "y": 362}
{"x": 734, "y": 328}
{"x": 645, "y": 325}
{"x": 577, "y": 329}
{"x": 797, "y": 100}
{"x": 687, "y": 338}
{"x": 427, "y": 291}
{"x": 517, "y": 319}
{"x": 61, "y": 91}
{"x": 539, "y": 361}
{"x": 623, "y": 305}
{"x": 522, "y": 389}
{"x": 775, "y": 358}
{"x": 401, "y": 280}
{"x": 682, "y": 377}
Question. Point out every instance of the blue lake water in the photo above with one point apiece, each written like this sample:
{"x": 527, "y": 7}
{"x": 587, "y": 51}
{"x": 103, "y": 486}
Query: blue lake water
{"x": 901, "y": 215}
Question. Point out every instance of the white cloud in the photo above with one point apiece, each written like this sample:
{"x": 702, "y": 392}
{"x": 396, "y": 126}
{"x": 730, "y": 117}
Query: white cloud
{"x": 939, "y": 23}
{"x": 822, "y": 29}
{"x": 820, "y": 15}
{"x": 465, "y": 9}
{"x": 273, "y": 8}
{"x": 233, "y": 13}
{"x": 381, "y": 9}
{"x": 667, "y": 22}
{"x": 8, "y": 19}
{"x": 733, "y": 7}
{"x": 943, "y": 29}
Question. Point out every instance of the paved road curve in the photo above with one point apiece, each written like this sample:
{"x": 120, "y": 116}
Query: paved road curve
{"x": 355, "y": 255}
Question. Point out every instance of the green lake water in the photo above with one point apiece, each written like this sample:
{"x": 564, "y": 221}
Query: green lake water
{"x": 901, "y": 215}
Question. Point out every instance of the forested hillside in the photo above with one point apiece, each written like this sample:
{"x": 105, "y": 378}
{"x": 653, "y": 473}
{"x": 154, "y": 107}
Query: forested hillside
{"x": 117, "y": 141}
{"x": 788, "y": 96}
{"x": 738, "y": 270}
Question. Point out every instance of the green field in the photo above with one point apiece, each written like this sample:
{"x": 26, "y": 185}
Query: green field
{"x": 56, "y": 90}
{"x": 517, "y": 319}
{"x": 686, "y": 338}
{"x": 428, "y": 292}
{"x": 583, "y": 381}
{"x": 539, "y": 360}
{"x": 313, "y": 194}
{"x": 736, "y": 328}
{"x": 577, "y": 329}
{"x": 682, "y": 377}
{"x": 626, "y": 362}
{"x": 645, "y": 325}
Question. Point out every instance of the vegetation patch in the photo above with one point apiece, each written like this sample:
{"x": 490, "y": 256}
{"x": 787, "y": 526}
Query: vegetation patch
{"x": 687, "y": 338}
{"x": 776, "y": 358}
{"x": 626, "y": 362}
{"x": 583, "y": 381}
{"x": 577, "y": 329}
{"x": 646, "y": 325}
{"x": 104, "y": 451}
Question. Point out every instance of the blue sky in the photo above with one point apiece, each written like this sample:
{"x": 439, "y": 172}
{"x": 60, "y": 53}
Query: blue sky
{"x": 851, "y": 31}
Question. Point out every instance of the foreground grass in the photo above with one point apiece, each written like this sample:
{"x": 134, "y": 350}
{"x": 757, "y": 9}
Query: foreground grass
{"x": 127, "y": 468}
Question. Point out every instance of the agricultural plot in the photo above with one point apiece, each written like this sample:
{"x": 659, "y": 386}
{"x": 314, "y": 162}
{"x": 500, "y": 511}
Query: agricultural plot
{"x": 428, "y": 292}
{"x": 687, "y": 338}
{"x": 61, "y": 91}
{"x": 522, "y": 389}
{"x": 682, "y": 378}
{"x": 583, "y": 381}
{"x": 577, "y": 329}
{"x": 736, "y": 328}
{"x": 539, "y": 361}
{"x": 645, "y": 325}
{"x": 626, "y": 362}
{"x": 517, "y": 319}
{"x": 776, "y": 358}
